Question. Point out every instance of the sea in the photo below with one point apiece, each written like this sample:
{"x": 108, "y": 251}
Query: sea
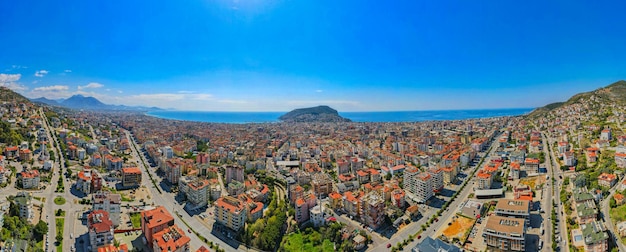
{"x": 391, "y": 116}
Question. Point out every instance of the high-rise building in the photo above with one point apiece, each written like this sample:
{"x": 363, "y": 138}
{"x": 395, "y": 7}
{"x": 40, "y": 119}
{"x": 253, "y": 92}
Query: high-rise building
{"x": 234, "y": 173}
{"x": 230, "y": 212}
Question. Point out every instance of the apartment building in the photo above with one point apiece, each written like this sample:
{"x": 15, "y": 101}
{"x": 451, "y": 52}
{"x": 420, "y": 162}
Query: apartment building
{"x": 515, "y": 170}
{"x": 586, "y": 212}
{"x": 155, "y": 220}
{"x": 30, "y": 179}
{"x": 513, "y": 209}
{"x": 100, "y": 229}
{"x": 322, "y": 183}
{"x": 449, "y": 174}
{"x": 110, "y": 202}
{"x": 230, "y": 212}
{"x": 484, "y": 180}
{"x": 437, "y": 181}
{"x": 423, "y": 187}
{"x": 505, "y": 234}
{"x": 198, "y": 192}
{"x": 171, "y": 239}
{"x": 373, "y": 209}
{"x": 24, "y": 202}
{"x": 234, "y": 173}
{"x": 410, "y": 179}
{"x": 595, "y": 236}
{"x": 83, "y": 183}
{"x": 351, "y": 204}
{"x": 131, "y": 177}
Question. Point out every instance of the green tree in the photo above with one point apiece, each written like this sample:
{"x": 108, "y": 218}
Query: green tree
{"x": 612, "y": 203}
{"x": 40, "y": 230}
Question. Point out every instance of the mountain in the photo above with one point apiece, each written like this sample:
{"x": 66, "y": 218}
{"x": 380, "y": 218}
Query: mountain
{"x": 611, "y": 94}
{"x": 44, "y": 100}
{"x": 82, "y": 102}
{"x": 89, "y": 103}
{"x": 8, "y": 95}
{"x": 314, "y": 114}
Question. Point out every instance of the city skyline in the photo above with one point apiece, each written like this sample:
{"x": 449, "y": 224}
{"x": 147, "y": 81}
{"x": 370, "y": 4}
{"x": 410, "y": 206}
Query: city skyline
{"x": 277, "y": 56}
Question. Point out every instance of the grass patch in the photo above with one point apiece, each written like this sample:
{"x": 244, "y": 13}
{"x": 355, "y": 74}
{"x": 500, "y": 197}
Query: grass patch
{"x": 618, "y": 214}
{"x": 296, "y": 242}
{"x": 135, "y": 218}
{"x": 60, "y": 222}
{"x": 59, "y": 200}
{"x": 126, "y": 199}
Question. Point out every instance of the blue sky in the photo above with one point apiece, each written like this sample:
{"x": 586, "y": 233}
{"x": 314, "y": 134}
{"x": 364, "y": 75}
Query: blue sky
{"x": 252, "y": 55}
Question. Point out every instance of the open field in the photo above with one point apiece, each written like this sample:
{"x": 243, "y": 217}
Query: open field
{"x": 460, "y": 225}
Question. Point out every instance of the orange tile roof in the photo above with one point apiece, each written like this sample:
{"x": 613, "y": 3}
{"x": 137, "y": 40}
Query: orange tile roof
{"x": 300, "y": 202}
{"x": 335, "y": 195}
{"x": 483, "y": 175}
{"x": 99, "y": 221}
{"x": 171, "y": 238}
{"x": 231, "y": 204}
{"x": 112, "y": 248}
{"x": 515, "y": 165}
{"x": 607, "y": 177}
{"x": 156, "y": 217}
{"x": 202, "y": 249}
{"x": 131, "y": 170}
{"x": 30, "y": 174}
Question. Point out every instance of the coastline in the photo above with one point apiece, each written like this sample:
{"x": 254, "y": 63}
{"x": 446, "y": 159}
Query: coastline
{"x": 359, "y": 117}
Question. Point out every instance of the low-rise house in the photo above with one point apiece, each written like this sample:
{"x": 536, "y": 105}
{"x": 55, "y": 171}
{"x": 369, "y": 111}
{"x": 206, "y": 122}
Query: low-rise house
{"x": 607, "y": 180}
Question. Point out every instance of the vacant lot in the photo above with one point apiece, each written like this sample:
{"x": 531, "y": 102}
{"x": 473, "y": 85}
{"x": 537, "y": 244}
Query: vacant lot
{"x": 458, "y": 227}
{"x": 618, "y": 214}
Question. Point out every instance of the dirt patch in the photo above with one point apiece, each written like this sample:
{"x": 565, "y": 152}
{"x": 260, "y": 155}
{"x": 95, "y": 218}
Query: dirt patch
{"x": 533, "y": 182}
{"x": 459, "y": 226}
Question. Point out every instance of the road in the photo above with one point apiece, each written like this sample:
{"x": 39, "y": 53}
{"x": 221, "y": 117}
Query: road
{"x": 167, "y": 200}
{"x": 556, "y": 169}
{"x": 606, "y": 218}
{"x": 546, "y": 204}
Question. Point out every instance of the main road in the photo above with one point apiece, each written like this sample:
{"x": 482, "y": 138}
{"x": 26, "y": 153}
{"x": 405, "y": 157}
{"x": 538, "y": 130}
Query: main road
{"x": 560, "y": 209}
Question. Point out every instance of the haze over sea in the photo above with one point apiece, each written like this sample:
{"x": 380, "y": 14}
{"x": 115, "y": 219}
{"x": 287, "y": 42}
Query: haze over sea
{"x": 391, "y": 116}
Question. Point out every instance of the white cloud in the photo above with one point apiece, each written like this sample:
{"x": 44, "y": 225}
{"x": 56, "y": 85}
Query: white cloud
{"x": 185, "y": 92}
{"x": 41, "y": 73}
{"x": 54, "y": 88}
{"x": 91, "y": 85}
{"x": 9, "y": 77}
{"x": 10, "y": 81}
{"x": 319, "y": 91}
{"x": 67, "y": 71}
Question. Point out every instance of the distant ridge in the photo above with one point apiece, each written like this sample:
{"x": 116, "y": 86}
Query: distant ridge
{"x": 80, "y": 102}
{"x": 614, "y": 93}
{"x": 8, "y": 95}
{"x": 314, "y": 114}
